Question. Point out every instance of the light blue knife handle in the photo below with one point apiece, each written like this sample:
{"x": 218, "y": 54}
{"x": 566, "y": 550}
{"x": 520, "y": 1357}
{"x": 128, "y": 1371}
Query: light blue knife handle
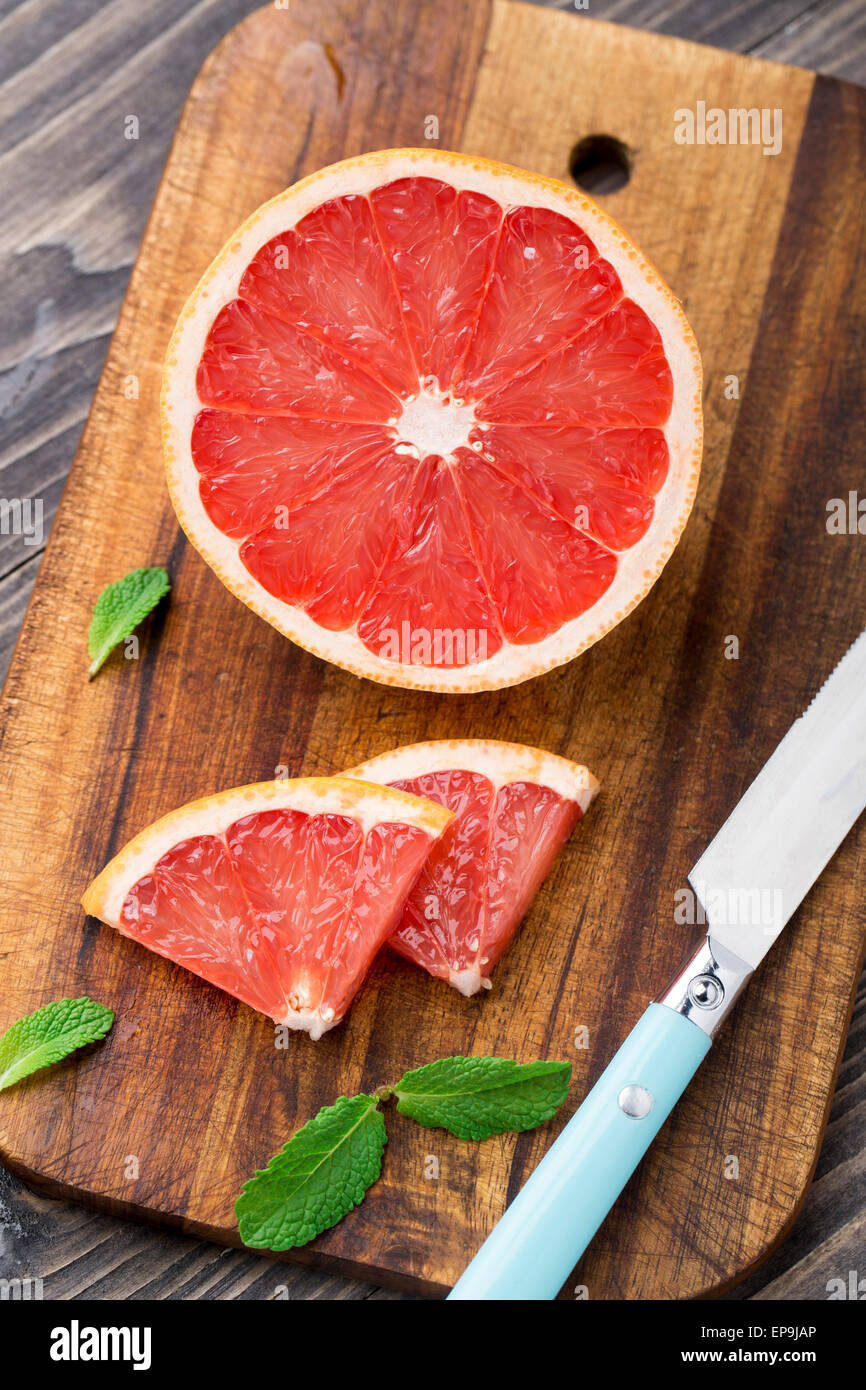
{"x": 537, "y": 1243}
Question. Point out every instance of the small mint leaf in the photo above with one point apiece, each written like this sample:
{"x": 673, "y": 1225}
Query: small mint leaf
{"x": 120, "y": 608}
{"x": 320, "y": 1175}
{"x": 477, "y": 1097}
{"x": 50, "y": 1034}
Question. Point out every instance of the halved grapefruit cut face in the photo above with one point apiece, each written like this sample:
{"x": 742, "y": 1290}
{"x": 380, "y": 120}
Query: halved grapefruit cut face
{"x": 435, "y": 419}
{"x": 514, "y": 808}
{"x": 279, "y": 893}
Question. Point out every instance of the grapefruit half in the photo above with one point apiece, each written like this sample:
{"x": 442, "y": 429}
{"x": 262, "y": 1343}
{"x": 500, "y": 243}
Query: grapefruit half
{"x": 435, "y": 419}
{"x": 280, "y": 893}
{"x": 514, "y": 807}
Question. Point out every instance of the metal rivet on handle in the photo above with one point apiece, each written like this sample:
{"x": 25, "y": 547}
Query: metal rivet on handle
{"x": 635, "y": 1101}
{"x": 706, "y": 992}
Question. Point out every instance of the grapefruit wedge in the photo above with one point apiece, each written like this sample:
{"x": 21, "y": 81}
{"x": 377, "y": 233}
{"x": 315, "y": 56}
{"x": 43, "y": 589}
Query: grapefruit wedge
{"x": 514, "y": 808}
{"x": 279, "y": 893}
{"x": 435, "y": 419}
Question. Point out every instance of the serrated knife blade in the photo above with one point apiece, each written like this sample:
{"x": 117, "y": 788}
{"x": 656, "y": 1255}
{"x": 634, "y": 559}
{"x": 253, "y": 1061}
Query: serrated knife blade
{"x": 791, "y": 820}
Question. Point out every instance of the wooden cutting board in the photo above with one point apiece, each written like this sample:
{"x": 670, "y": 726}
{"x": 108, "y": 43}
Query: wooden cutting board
{"x": 188, "y": 1094}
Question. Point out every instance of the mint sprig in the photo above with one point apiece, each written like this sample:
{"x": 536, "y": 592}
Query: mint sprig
{"x": 477, "y": 1097}
{"x": 120, "y": 608}
{"x": 49, "y": 1035}
{"x": 320, "y": 1175}
{"x": 327, "y": 1167}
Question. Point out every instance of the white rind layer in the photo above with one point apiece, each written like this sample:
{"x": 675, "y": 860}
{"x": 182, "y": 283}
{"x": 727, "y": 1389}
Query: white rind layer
{"x": 502, "y": 763}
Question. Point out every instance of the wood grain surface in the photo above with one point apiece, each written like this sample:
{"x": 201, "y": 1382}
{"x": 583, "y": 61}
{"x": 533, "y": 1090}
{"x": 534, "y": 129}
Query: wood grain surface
{"x": 764, "y": 253}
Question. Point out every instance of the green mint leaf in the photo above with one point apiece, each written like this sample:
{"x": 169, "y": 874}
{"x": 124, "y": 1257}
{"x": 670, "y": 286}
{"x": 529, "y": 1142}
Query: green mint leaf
{"x": 320, "y": 1175}
{"x": 120, "y": 608}
{"x": 50, "y": 1034}
{"x": 477, "y": 1097}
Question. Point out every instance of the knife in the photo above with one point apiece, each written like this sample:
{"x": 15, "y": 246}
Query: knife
{"x": 749, "y": 881}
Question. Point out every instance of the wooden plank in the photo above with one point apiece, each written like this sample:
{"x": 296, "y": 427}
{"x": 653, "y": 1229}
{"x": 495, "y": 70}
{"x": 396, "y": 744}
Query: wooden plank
{"x": 832, "y": 34}
{"x": 642, "y": 682}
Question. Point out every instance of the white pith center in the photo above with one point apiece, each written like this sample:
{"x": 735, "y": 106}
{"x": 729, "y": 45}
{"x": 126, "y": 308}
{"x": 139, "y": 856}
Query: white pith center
{"x": 433, "y": 423}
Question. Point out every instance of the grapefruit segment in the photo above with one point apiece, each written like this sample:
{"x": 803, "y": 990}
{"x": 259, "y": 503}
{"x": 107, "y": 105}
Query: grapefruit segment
{"x": 514, "y": 808}
{"x": 254, "y": 362}
{"x": 330, "y": 278}
{"x": 279, "y": 893}
{"x": 253, "y": 465}
{"x": 602, "y": 482}
{"x": 326, "y": 553}
{"x": 616, "y": 373}
{"x": 441, "y": 242}
{"x": 491, "y": 333}
{"x": 562, "y": 572}
{"x": 429, "y": 606}
{"x": 546, "y": 287}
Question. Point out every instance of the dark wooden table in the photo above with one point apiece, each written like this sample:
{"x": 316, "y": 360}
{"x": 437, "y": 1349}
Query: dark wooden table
{"x": 75, "y": 199}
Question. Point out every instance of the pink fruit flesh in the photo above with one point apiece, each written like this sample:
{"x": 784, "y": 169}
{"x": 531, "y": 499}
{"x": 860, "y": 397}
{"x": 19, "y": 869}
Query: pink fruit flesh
{"x": 421, "y": 291}
{"x": 480, "y": 878}
{"x": 285, "y": 910}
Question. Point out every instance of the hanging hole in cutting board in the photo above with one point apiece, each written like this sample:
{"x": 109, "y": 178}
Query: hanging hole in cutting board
{"x": 600, "y": 164}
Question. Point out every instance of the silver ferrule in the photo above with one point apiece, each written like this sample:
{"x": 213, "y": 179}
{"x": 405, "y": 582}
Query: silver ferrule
{"x": 707, "y": 986}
